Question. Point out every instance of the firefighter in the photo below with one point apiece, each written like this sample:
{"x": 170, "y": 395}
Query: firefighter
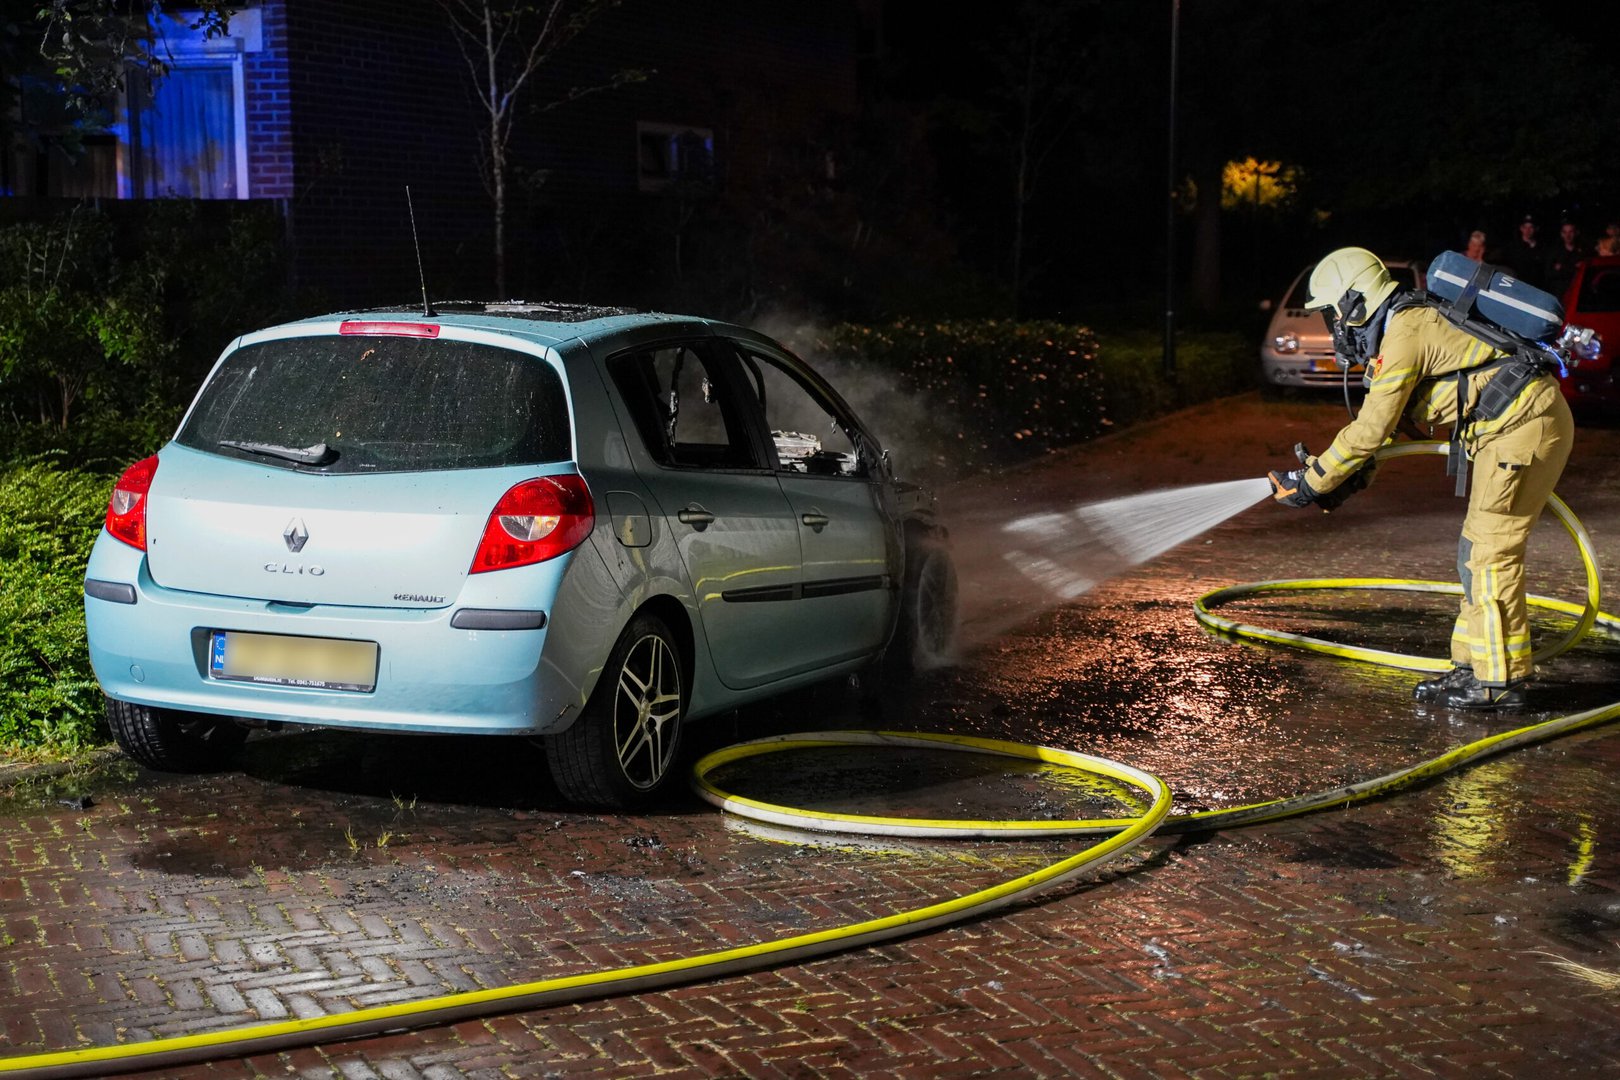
{"x": 1414, "y": 360}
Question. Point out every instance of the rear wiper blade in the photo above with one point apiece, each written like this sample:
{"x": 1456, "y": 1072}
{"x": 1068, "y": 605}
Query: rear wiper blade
{"x": 319, "y": 454}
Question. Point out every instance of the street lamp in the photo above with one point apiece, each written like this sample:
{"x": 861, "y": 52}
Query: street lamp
{"x": 1170, "y": 205}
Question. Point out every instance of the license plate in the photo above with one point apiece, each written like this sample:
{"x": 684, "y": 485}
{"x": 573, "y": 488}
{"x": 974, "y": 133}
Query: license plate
{"x": 280, "y": 660}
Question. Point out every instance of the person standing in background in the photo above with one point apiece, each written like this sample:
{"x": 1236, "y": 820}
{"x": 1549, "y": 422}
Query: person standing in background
{"x": 1525, "y": 254}
{"x": 1609, "y": 242}
{"x": 1563, "y": 258}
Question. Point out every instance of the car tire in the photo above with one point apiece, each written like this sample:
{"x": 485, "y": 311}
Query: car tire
{"x": 927, "y": 628}
{"x": 170, "y": 740}
{"x": 621, "y": 752}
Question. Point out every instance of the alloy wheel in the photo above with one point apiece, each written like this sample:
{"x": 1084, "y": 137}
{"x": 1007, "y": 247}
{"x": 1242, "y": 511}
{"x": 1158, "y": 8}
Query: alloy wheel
{"x": 647, "y": 711}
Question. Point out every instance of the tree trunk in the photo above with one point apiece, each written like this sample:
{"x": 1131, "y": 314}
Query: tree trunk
{"x": 1206, "y": 276}
{"x": 1020, "y": 202}
{"x": 496, "y": 102}
{"x": 497, "y": 168}
{"x": 69, "y": 387}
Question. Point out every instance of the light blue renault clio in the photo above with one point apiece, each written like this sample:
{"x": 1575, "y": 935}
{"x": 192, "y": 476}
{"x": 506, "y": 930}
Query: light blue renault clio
{"x": 587, "y": 525}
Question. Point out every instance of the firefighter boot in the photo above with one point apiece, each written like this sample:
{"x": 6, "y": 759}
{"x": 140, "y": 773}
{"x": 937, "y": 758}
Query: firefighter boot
{"x": 1431, "y": 689}
{"x": 1473, "y": 694}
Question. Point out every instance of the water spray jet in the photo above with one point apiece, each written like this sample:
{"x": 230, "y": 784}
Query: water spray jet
{"x": 1070, "y": 553}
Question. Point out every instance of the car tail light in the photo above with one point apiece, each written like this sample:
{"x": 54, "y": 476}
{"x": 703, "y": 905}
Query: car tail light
{"x": 126, "y": 510}
{"x": 535, "y": 521}
{"x": 389, "y": 329}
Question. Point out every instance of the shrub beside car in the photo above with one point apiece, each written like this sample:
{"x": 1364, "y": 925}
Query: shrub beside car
{"x": 49, "y": 699}
{"x": 965, "y": 395}
{"x": 974, "y": 394}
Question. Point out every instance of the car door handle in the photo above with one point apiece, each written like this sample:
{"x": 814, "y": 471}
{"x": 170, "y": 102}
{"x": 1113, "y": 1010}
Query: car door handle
{"x": 695, "y": 516}
{"x": 817, "y": 522}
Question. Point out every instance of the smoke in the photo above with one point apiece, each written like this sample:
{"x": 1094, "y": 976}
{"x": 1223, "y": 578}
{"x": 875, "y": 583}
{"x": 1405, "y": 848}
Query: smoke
{"x": 1011, "y": 570}
{"x": 922, "y": 437}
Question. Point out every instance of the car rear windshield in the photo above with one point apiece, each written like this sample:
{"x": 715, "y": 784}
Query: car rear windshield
{"x": 357, "y": 403}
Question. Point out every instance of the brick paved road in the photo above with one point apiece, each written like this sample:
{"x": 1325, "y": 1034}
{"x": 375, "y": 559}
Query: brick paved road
{"x": 1409, "y": 937}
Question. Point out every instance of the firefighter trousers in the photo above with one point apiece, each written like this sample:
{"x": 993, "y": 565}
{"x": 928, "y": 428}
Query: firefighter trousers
{"x": 1515, "y": 469}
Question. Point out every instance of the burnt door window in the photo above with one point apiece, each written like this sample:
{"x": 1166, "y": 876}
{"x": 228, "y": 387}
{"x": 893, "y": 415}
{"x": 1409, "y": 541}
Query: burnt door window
{"x": 685, "y": 410}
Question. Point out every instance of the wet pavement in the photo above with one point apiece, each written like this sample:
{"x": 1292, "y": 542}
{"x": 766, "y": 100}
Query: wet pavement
{"x": 1411, "y": 936}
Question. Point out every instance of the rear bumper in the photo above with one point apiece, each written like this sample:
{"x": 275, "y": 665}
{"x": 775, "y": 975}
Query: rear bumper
{"x": 432, "y": 676}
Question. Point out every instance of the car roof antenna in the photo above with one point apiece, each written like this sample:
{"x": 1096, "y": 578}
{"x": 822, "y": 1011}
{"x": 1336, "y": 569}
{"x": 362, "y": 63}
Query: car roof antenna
{"x": 427, "y": 308}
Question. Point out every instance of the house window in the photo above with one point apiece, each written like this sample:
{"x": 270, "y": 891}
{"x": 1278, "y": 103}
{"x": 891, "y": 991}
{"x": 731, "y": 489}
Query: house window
{"x": 667, "y": 154}
{"x": 182, "y": 135}
{"x": 186, "y": 134}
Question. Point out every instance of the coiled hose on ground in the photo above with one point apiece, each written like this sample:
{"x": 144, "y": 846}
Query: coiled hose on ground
{"x": 1118, "y": 835}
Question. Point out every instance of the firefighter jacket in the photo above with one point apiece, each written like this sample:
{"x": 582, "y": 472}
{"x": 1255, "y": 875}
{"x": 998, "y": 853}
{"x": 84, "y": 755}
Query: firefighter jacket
{"x": 1414, "y": 375}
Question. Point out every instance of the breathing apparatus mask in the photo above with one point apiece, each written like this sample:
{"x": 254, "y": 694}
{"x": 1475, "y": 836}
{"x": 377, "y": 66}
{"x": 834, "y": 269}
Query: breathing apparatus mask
{"x": 1355, "y": 345}
{"x": 1352, "y": 288}
{"x": 1356, "y": 335}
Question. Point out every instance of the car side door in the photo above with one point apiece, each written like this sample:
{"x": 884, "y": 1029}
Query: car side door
{"x": 849, "y": 535}
{"x": 736, "y": 532}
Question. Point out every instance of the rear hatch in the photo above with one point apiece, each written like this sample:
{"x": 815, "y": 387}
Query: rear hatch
{"x": 350, "y": 469}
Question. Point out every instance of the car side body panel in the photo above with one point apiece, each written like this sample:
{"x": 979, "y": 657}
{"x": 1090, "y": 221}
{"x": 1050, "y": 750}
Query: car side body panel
{"x": 740, "y": 540}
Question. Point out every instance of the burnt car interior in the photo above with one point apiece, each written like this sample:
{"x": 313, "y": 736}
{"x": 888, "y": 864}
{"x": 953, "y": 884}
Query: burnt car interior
{"x": 683, "y": 415}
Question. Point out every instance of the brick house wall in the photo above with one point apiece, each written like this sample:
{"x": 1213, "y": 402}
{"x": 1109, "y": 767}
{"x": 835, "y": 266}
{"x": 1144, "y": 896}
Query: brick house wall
{"x": 380, "y": 97}
{"x": 762, "y": 79}
{"x": 267, "y": 104}
{"x": 378, "y": 102}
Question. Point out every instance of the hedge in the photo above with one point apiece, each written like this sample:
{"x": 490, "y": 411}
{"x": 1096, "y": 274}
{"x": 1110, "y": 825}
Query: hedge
{"x": 48, "y": 695}
{"x": 959, "y": 397}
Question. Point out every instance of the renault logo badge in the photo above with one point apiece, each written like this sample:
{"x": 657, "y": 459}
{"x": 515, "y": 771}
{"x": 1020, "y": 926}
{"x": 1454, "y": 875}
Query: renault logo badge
{"x": 296, "y": 535}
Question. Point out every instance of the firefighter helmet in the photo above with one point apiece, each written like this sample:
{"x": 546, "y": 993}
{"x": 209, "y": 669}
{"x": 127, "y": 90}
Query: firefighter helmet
{"x": 1353, "y": 282}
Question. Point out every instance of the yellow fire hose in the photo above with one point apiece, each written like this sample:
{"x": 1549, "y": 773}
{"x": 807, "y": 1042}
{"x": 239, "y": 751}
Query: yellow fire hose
{"x": 1120, "y": 834}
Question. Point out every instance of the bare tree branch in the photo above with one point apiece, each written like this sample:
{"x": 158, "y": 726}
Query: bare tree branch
{"x": 504, "y": 47}
{"x": 620, "y": 78}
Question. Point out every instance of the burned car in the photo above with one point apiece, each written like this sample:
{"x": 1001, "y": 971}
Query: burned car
{"x": 585, "y": 525}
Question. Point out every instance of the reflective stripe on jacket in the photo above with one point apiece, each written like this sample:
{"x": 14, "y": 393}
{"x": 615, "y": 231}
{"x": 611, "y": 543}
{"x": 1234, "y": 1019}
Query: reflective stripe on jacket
{"x": 1419, "y": 347}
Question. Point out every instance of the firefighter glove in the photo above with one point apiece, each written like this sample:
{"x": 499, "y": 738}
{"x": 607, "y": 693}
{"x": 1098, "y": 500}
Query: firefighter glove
{"x": 1356, "y": 481}
{"x": 1290, "y": 488}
